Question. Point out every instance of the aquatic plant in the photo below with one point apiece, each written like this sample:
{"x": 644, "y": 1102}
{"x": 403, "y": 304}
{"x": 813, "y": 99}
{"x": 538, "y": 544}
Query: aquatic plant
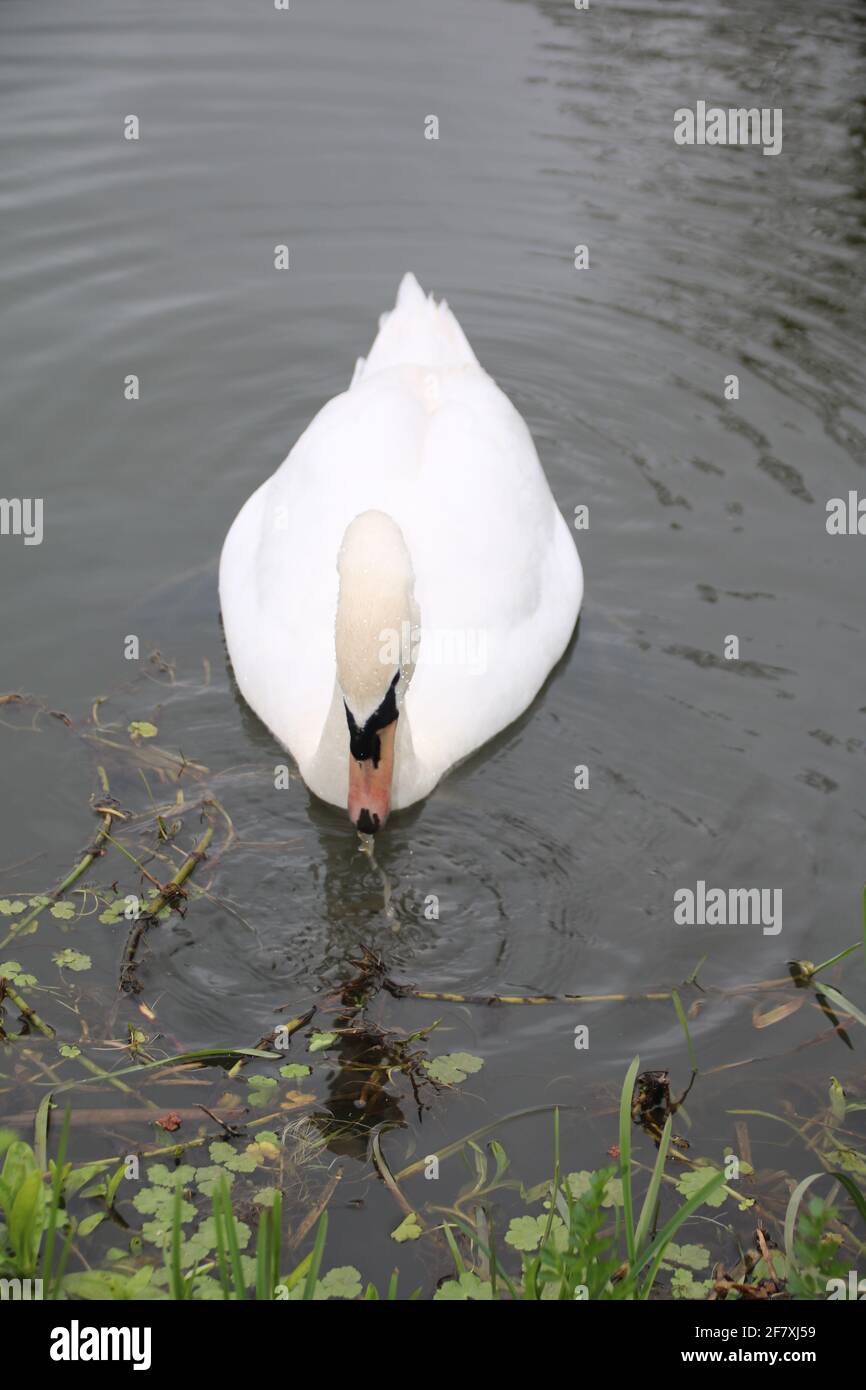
{"x": 230, "y": 1191}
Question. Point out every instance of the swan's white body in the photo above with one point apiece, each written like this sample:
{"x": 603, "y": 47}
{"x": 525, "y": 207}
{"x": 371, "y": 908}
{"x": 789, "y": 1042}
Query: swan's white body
{"x": 426, "y": 437}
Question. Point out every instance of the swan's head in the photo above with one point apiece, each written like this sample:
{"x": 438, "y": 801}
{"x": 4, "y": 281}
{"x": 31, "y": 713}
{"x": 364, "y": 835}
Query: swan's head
{"x": 375, "y": 606}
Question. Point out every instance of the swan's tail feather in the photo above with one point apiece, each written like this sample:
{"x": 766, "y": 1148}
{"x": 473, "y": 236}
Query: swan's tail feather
{"x": 417, "y": 331}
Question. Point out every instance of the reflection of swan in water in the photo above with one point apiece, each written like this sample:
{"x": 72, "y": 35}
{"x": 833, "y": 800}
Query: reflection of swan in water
{"x": 413, "y": 503}
{"x": 368, "y": 846}
{"x": 361, "y": 1094}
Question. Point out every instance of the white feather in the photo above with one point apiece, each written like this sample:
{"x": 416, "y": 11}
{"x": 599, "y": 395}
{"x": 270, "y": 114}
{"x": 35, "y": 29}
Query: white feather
{"x": 426, "y": 436}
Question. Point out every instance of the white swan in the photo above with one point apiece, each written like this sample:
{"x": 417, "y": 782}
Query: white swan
{"x": 400, "y": 588}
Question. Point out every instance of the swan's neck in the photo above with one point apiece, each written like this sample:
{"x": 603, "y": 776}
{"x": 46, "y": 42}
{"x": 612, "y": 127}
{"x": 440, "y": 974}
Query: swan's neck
{"x": 376, "y": 609}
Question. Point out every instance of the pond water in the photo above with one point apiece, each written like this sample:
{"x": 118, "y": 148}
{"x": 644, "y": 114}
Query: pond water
{"x": 706, "y": 521}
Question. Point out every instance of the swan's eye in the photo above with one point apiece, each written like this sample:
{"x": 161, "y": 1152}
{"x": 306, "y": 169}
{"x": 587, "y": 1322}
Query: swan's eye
{"x": 364, "y": 739}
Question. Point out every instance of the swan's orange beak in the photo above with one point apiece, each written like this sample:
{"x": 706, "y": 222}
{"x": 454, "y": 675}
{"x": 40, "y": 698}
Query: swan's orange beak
{"x": 370, "y": 783}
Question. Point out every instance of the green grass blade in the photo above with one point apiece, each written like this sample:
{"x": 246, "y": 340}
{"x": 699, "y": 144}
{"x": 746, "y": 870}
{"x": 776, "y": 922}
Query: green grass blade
{"x": 793, "y": 1208}
{"x": 473, "y": 1235}
{"x": 652, "y": 1194}
{"x": 654, "y": 1254}
{"x": 316, "y": 1261}
{"x": 840, "y": 955}
{"x": 276, "y": 1241}
{"x": 263, "y": 1256}
{"x": 178, "y": 1287}
{"x": 681, "y": 1015}
{"x": 40, "y": 1132}
{"x": 459, "y": 1144}
{"x": 452, "y": 1246}
{"x": 298, "y": 1273}
{"x": 493, "y": 1258}
{"x": 61, "y": 1263}
{"x": 836, "y": 997}
{"x": 232, "y": 1242}
{"x": 625, "y": 1123}
{"x": 208, "y": 1056}
{"x": 853, "y": 1191}
{"x": 554, "y": 1191}
{"x": 221, "y": 1255}
{"x": 54, "y": 1204}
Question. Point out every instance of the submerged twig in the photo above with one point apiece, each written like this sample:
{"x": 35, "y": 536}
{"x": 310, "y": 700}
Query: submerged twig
{"x": 312, "y": 1216}
{"x": 95, "y": 850}
{"x": 389, "y": 1180}
{"x": 167, "y": 896}
{"x": 96, "y": 1070}
{"x": 130, "y": 1115}
{"x": 450, "y": 1149}
{"x": 229, "y": 1129}
{"x": 406, "y": 991}
{"x": 27, "y": 1013}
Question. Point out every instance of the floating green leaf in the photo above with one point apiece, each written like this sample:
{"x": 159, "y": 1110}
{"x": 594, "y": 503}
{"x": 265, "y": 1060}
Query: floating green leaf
{"x": 262, "y": 1150}
{"x": 159, "y": 1202}
{"x": 319, "y": 1041}
{"x": 579, "y": 1184}
{"x": 203, "y": 1240}
{"x": 453, "y": 1067}
{"x": 467, "y": 1286}
{"x": 694, "y": 1256}
{"x": 72, "y": 960}
{"x": 526, "y": 1232}
{"x": 105, "y": 1285}
{"x": 266, "y": 1196}
{"x": 139, "y": 728}
{"x": 11, "y": 970}
{"x": 164, "y": 1176}
{"x": 693, "y": 1182}
{"x": 684, "y": 1285}
{"x": 90, "y": 1223}
{"x": 342, "y": 1282}
{"x": 261, "y": 1088}
{"x": 114, "y": 912}
{"x": 221, "y": 1152}
{"x": 208, "y": 1179}
{"x": 409, "y": 1229}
